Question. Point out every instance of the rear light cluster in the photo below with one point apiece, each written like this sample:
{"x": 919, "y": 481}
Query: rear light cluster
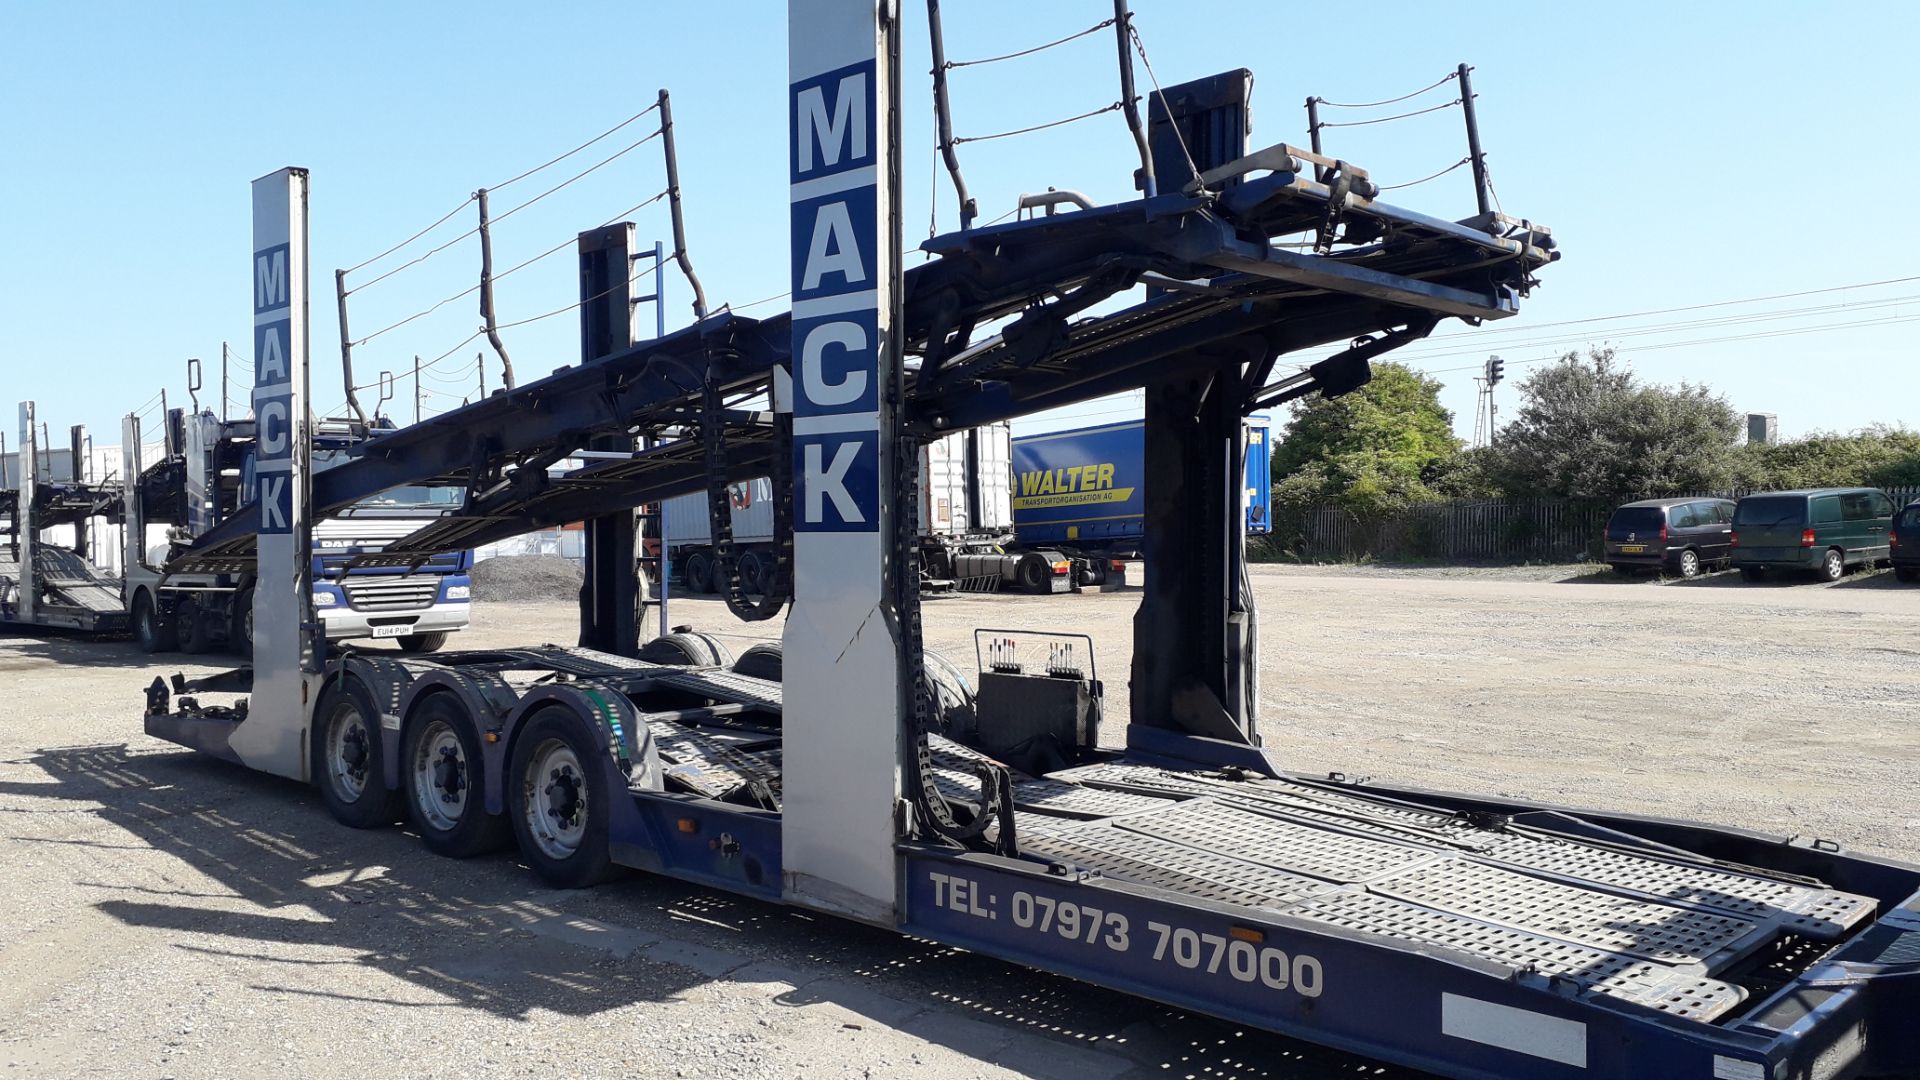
{"x": 1733, "y": 538}
{"x": 1806, "y": 538}
{"x": 1663, "y": 534}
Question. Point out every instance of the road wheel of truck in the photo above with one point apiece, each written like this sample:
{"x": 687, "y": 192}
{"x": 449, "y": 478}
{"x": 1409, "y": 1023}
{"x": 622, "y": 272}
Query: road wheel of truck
{"x": 1907, "y": 574}
{"x": 154, "y": 633}
{"x": 687, "y": 648}
{"x": 190, "y": 622}
{"x": 445, "y": 782}
{"x": 762, "y": 661}
{"x": 754, "y": 572}
{"x": 699, "y": 573}
{"x": 240, "y": 634}
{"x": 1752, "y": 573}
{"x": 347, "y": 758}
{"x": 422, "y": 643}
{"x": 1032, "y": 573}
{"x": 559, "y": 800}
{"x": 1689, "y": 564}
{"x": 1833, "y": 565}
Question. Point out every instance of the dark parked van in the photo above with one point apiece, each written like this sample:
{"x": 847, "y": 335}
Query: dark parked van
{"x": 1682, "y": 535}
{"x": 1822, "y": 530}
{"x": 1904, "y": 543}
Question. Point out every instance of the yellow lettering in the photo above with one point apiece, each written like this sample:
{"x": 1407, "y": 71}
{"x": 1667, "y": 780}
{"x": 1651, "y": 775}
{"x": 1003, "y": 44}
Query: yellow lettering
{"x": 1047, "y": 486}
{"x": 1106, "y": 477}
{"x": 1029, "y": 483}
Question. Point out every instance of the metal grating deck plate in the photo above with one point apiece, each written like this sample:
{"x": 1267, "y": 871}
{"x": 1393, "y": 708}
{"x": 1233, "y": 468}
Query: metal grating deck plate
{"x": 707, "y": 766}
{"x": 1812, "y": 911}
{"x": 1447, "y": 882}
{"x": 953, "y": 766}
{"x": 723, "y": 685}
{"x": 1818, "y": 913}
{"x": 1187, "y": 870}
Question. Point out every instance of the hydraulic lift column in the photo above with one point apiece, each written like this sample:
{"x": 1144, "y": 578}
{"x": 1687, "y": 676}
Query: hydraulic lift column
{"x": 610, "y": 595}
{"x": 844, "y": 690}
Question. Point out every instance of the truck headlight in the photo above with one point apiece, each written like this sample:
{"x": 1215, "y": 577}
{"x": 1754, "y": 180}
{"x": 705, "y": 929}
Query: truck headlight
{"x": 459, "y": 592}
{"x": 325, "y": 599}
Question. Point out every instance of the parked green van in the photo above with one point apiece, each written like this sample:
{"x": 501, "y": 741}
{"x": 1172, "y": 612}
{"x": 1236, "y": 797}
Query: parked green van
{"x": 1822, "y": 530}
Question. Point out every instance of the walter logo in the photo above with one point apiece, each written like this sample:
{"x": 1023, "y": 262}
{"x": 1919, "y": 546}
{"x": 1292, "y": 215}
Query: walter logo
{"x": 1075, "y": 485}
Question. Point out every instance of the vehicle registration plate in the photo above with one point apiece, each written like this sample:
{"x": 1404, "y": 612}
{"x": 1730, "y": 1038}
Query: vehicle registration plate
{"x": 1632, "y": 549}
{"x": 392, "y": 631}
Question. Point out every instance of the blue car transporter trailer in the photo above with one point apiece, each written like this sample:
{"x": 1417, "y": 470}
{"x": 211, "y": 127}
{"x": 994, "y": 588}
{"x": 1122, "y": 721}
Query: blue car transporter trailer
{"x": 1463, "y": 935}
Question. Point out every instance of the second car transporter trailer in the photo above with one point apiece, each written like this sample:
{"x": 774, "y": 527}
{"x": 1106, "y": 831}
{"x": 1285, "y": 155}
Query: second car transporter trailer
{"x": 1465, "y": 935}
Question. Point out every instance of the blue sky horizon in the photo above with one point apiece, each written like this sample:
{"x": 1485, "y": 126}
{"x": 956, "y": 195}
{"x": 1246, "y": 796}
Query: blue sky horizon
{"x": 1682, "y": 158}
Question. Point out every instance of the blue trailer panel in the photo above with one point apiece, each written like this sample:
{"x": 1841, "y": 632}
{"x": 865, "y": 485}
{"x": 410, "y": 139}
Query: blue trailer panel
{"x": 1088, "y": 485}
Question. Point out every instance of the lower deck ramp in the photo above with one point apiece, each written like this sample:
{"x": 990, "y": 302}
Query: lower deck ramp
{"x": 1657, "y": 929}
{"x": 74, "y": 593}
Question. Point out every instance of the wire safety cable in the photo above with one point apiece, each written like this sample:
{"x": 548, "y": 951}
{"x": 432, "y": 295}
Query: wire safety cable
{"x": 1424, "y": 179}
{"x": 1396, "y": 116}
{"x": 1140, "y": 46}
{"x": 577, "y": 149}
{"x": 448, "y": 216}
{"x": 1094, "y": 29}
{"x": 1450, "y": 76}
{"x": 1116, "y": 106}
{"x": 581, "y": 175}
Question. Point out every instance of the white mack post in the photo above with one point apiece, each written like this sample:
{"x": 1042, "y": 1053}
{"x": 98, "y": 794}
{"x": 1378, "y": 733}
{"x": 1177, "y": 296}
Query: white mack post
{"x": 26, "y": 473}
{"x": 844, "y": 698}
{"x": 274, "y": 738}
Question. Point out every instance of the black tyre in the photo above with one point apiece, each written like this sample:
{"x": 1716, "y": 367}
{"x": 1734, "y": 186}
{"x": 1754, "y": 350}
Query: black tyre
{"x": 698, "y": 570}
{"x": 151, "y": 629}
{"x": 422, "y": 643}
{"x": 1624, "y": 570}
{"x": 756, "y": 569}
{"x": 687, "y": 648}
{"x": 952, "y": 696}
{"x": 762, "y": 661}
{"x": 1689, "y": 563}
{"x": 1032, "y": 573}
{"x": 240, "y": 624}
{"x": 1907, "y": 574}
{"x": 443, "y": 774}
{"x": 191, "y": 619}
{"x": 1833, "y": 565}
{"x": 348, "y": 765}
{"x": 557, "y": 797}
{"x": 1752, "y": 573}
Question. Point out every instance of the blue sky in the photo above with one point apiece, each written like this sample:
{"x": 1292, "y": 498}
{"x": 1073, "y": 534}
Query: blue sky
{"x": 1683, "y": 154}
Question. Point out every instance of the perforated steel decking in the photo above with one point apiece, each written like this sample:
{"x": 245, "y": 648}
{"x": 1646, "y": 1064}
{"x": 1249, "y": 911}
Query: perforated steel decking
{"x": 1624, "y": 924}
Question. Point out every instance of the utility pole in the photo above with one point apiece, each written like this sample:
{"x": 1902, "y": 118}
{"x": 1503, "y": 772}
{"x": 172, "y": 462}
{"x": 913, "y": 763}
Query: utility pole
{"x": 223, "y": 381}
{"x": 416, "y": 388}
{"x": 480, "y": 367}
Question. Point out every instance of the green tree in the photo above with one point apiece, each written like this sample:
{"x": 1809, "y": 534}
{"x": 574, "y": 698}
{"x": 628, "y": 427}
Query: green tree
{"x": 1378, "y": 448}
{"x": 1587, "y": 429}
{"x": 1877, "y": 456}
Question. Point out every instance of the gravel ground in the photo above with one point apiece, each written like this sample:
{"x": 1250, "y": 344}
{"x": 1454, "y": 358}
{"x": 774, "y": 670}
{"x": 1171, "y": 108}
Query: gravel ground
{"x": 523, "y": 578}
{"x": 165, "y": 915}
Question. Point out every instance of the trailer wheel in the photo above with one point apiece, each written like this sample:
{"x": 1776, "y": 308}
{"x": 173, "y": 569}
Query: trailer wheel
{"x": 699, "y": 573}
{"x": 754, "y": 573}
{"x": 422, "y": 643}
{"x": 154, "y": 632}
{"x": 240, "y": 631}
{"x": 687, "y": 648}
{"x": 762, "y": 661}
{"x": 558, "y": 799}
{"x": 190, "y": 623}
{"x": 445, "y": 776}
{"x": 346, "y": 758}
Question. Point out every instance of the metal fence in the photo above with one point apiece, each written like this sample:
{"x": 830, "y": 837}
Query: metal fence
{"x": 1464, "y": 530}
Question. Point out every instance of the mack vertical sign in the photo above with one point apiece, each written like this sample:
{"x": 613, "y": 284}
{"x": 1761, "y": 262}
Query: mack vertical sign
{"x": 843, "y": 700}
{"x": 282, "y": 600}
